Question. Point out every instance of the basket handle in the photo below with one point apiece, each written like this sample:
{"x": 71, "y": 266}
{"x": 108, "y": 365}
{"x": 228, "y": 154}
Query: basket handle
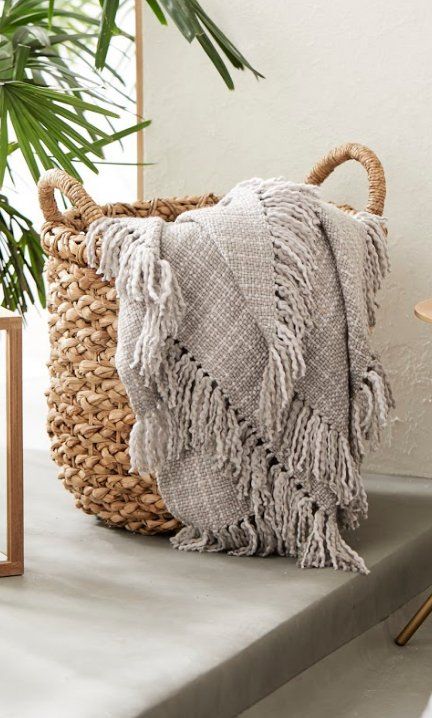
{"x": 59, "y": 179}
{"x": 367, "y": 158}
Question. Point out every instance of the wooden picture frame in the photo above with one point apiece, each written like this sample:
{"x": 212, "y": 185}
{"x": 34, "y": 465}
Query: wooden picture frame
{"x": 14, "y": 563}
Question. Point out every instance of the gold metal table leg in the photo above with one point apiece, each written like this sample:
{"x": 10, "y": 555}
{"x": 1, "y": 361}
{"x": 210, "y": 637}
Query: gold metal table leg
{"x": 415, "y": 622}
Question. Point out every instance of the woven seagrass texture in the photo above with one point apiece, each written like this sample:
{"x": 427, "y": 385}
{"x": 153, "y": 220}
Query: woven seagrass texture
{"x": 89, "y": 418}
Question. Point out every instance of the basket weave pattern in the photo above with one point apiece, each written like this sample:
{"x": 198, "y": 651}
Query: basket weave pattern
{"x": 90, "y": 419}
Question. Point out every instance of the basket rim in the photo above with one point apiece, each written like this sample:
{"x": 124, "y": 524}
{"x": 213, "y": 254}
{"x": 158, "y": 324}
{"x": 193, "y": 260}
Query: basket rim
{"x": 88, "y": 210}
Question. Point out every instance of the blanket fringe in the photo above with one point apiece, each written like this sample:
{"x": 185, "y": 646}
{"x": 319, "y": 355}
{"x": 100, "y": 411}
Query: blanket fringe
{"x": 197, "y": 415}
{"x": 370, "y": 410}
{"x": 148, "y": 443}
{"x": 325, "y": 546}
{"x": 104, "y": 257}
{"x": 291, "y": 215}
{"x": 377, "y": 263}
{"x": 311, "y": 448}
{"x": 149, "y": 279}
{"x": 130, "y": 251}
{"x": 240, "y": 539}
{"x": 297, "y": 528}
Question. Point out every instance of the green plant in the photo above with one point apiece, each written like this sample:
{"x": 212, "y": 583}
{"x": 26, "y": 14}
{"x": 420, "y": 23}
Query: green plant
{"x": 54, "y": 109}
{"x": 194, "y": 24}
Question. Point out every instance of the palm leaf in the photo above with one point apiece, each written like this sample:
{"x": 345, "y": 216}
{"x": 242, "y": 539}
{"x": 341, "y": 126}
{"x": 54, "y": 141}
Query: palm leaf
{"x": 233, "y": 55}
{"x": 191, "y": 21}
{"x": 21, "y": 260}
{"x": 154, "y": 5}
{"x": 116, "y": 136}
{"x": 46, "y": 123}
{"x": 108, "y": 28}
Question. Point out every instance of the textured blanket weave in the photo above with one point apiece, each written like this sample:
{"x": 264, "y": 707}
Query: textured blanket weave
{"x": 243, "y": 346}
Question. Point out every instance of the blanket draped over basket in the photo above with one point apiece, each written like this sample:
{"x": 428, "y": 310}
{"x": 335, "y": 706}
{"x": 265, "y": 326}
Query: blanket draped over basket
{"x": 243, "y": 346}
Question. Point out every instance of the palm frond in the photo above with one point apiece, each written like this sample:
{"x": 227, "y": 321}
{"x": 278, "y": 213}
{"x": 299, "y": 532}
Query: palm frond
{"x": 21, "y": 260}
{"x": 192, "y": 22}
{"x": 53, "y": 114}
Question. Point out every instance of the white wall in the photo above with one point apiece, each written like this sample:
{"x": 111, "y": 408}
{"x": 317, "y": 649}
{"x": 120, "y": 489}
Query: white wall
{"x": 335, "y": 72}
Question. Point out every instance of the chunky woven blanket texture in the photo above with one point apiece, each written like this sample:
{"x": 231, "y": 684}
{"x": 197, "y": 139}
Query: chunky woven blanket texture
{"x": 243, "y": 346}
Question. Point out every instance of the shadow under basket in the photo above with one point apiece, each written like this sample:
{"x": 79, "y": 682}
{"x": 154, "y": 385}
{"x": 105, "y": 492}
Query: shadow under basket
{"x": 89, "y": 418}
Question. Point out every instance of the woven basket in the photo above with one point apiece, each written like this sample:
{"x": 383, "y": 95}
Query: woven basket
{"x": 89, "y": 418}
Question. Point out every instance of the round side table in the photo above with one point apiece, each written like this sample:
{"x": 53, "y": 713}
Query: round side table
{"x": 422, "y": 310}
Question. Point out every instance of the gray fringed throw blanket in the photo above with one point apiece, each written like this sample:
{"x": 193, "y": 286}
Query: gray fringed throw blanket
{"x": 243, "y": 346}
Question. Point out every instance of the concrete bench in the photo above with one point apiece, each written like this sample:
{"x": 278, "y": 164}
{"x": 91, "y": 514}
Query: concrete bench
{"x": 106, "y": 624}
